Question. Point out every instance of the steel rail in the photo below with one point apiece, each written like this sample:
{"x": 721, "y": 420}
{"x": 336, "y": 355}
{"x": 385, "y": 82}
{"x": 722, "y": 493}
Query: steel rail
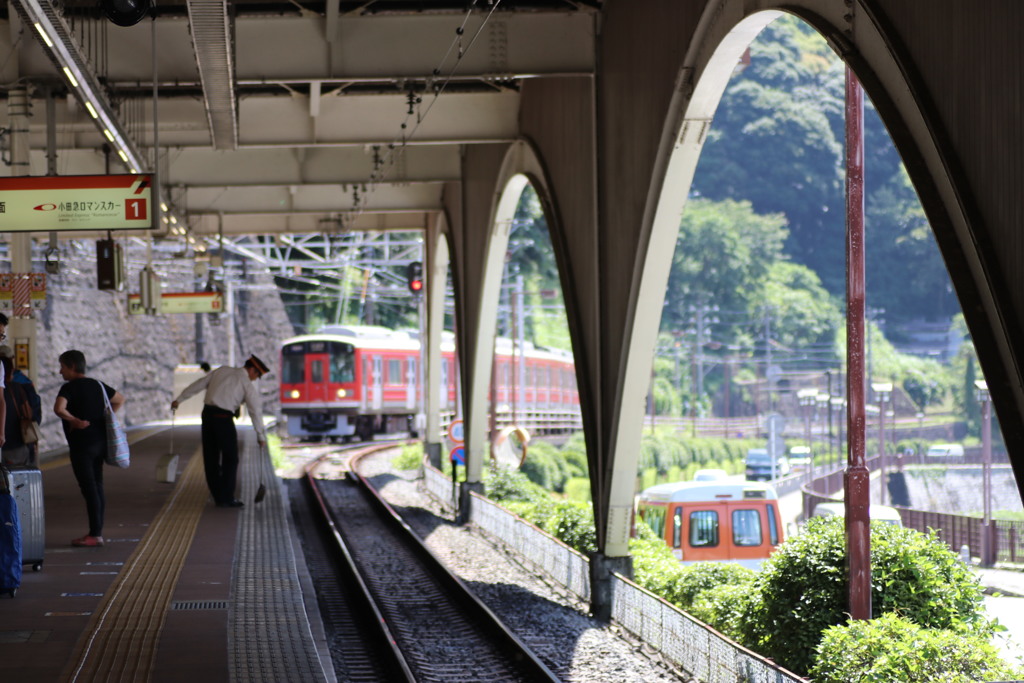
{"x": 524, "y": 662}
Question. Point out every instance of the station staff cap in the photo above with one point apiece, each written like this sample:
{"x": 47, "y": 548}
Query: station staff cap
{"x": 260, "y": 366}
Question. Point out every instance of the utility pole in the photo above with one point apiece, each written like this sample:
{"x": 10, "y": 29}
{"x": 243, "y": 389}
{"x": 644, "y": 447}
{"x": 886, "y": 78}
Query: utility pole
{"x": 857, "y": 478}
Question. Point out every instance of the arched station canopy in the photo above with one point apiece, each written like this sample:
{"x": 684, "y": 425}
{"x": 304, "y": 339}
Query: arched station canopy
{"x": 311, "y": 117}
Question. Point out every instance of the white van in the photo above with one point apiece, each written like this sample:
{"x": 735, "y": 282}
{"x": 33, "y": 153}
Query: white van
{"x": 880, "y": 513}
{"x": 945, "y": 450}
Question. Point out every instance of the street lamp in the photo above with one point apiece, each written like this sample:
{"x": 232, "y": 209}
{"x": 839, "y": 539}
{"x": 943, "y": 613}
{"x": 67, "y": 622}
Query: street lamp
{"x": 987, "y": 546}
{"x": 882, "y": 390}
{"x": 825, "y": 405}
{"x": 807, "y": 398}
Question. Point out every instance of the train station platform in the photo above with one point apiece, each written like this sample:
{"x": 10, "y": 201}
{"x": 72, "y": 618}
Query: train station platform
{"x": 180, "y": 591}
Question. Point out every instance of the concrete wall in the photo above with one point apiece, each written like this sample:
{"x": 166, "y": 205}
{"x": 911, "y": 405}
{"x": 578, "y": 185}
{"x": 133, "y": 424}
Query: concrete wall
{"x": 137, "y": 354}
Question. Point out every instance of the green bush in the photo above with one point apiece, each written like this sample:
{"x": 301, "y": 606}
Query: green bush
{"x": 724, "y": 607}
{"x": 892, "y": 648}
{"x": 410, "y": 458}
{"x": 803, "y": 589}
{"x": 578, "y": 489}
{"x": 703, "y": 576}
{"x": 575, "y": 460}
{"x": 503, "y": 485}
{"x": 654, "y": 566}
{"x": 573, "y": 524}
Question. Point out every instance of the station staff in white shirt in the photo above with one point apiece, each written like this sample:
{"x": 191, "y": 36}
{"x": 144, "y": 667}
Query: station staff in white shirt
{"x": 226, "y": 389}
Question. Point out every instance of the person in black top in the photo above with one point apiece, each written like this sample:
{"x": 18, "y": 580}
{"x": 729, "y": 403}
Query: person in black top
{"x": 80, "y": 405}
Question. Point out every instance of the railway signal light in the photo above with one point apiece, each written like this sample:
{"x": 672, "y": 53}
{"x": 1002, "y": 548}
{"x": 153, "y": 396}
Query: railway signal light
{"x": 414, "y": 276}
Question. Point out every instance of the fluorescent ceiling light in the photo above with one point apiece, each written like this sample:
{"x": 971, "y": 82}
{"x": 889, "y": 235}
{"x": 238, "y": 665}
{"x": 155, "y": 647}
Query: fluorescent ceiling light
{"x": 60, "y": 43}
{"x": 42, "y": 32}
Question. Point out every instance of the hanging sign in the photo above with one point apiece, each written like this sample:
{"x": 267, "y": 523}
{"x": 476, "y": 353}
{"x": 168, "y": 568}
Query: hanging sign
{"x": 181, "y": 302}
{"x": 22, "y": 293}
{"x": 82, "y": 202}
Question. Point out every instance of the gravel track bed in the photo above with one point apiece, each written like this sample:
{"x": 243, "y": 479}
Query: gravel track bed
{"x": 549, "y": 619}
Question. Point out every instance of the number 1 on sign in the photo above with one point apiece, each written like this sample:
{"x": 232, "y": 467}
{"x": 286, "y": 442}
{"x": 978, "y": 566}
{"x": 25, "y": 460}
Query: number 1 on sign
{"x": 135, "y": 209}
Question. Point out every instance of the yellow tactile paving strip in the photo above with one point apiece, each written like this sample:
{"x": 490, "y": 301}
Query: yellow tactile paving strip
{"x": 121, "y": 640}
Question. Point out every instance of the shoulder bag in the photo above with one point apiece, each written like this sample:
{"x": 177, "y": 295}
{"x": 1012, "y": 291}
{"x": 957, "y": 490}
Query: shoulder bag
{"x": 117, "y": 441}
{"x": 29, "y": 429}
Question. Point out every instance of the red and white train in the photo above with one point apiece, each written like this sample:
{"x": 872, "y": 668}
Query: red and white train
{"x": 360, "y": 381}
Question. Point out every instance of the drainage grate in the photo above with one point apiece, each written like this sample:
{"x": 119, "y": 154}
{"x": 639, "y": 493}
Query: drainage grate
{"x": 200, "y": 604}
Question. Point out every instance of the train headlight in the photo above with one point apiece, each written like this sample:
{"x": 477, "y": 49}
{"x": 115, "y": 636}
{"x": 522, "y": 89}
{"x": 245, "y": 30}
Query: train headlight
{"x": 295, "y": 393}
{"x": 342, "y": 393}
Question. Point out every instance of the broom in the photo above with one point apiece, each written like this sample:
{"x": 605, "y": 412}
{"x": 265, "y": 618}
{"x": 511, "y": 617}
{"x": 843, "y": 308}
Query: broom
{"x": 261, "y": 492}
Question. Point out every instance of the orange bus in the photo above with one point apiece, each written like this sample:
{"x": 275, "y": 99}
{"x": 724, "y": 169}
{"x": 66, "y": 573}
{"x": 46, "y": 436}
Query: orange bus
{"x": 714, "y": 521}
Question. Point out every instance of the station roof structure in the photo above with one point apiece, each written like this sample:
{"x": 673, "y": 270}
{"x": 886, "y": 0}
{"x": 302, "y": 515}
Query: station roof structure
{"x": 288, "y": 117}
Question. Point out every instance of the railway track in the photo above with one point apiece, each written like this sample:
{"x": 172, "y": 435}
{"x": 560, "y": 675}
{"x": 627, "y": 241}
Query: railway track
{"x": 396, "y": 611}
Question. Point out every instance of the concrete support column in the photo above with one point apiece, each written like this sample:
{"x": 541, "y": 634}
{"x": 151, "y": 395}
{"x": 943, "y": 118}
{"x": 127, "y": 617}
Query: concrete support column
{"x": 601, "y": 569}
{"x": 436, "y": 272}
{"x": 465, "y": 488}
{"x": 21, "y": 333}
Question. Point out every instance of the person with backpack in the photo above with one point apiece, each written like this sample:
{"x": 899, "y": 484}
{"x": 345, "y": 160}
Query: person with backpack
{"x": 18, "y": 451}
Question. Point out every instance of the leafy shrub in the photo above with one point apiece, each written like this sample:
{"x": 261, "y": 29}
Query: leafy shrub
{"x": 725, "y": 607}
{"x": 654, "y": 566}
{"x": 410, "y": 458}
{"x": 544, "y": 466}
{"x": 578, "y": 489}
{"x": 575, "y": 460}
{"x": 503, "y": 484}
{"x": 803, "y": 588}
{"x": 704, "y": 576}
{"x": 892, "y": 648}
{"x": 573, "y": 524}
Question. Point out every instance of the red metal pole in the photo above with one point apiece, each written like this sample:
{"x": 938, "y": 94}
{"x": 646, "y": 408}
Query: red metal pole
{"x": 857, "y": 479}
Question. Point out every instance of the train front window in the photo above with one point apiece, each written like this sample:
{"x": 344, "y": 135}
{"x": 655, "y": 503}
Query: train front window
{"x": 746, "y": 528}
{"x": 316, "y": 371}
{"x": 703, "y": 529}
{"x": 294, "y": 370}
{"x": 342, "y": 364}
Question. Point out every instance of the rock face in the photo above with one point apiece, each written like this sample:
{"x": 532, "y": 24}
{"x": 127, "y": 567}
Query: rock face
{"x": 137, "y": 354}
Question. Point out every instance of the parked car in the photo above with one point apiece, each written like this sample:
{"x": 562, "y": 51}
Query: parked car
{"x": 800, "y": 459}
{"x": 945, "y": 450}
{"x": 710, "y": 475}
{"x": 880, "y": 513}
{"x": 759, "y": 465}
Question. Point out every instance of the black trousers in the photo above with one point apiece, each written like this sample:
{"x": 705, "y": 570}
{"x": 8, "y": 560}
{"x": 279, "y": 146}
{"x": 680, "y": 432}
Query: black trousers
{"x": 220, "y": 453}
{"x": 87, "y": 464}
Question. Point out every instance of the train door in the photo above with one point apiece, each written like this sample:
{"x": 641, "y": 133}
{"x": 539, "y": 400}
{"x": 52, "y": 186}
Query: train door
{"x": 376, "y": 383}
{"x": 705, "y": 528}
{"x": 316, "y": 374}
{"x": 410, "y": 384}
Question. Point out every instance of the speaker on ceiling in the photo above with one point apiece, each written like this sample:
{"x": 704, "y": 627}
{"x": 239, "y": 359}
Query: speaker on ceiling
{"x": 125, "y": 12}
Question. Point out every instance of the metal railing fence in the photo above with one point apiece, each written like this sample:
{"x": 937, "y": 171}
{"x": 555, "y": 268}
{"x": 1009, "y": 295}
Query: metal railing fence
{"x": 687, "y": 643}
{"x": 682, "y": 640}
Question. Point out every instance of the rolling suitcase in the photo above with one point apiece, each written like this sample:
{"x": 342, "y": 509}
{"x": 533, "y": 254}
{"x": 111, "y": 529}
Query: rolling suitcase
{"x": 10, "y": 540}
{"x": 27, "y": 489}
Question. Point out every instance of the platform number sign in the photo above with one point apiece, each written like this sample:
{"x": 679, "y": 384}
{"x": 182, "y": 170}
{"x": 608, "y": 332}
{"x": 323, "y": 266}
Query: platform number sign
{"x": 135, "y": 209}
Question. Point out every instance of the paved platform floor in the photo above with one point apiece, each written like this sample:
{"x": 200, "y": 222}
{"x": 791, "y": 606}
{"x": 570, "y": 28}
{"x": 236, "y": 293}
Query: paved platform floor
{"x": 181, "y": 591}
